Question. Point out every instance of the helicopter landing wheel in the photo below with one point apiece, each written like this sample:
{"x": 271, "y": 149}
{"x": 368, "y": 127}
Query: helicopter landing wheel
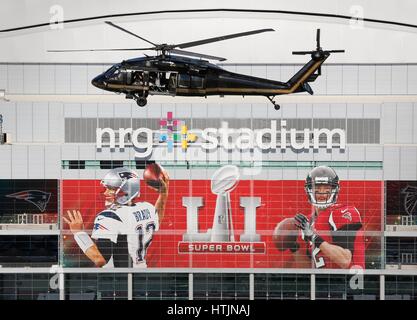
{"x": 277, "y": 106}
{"x": 141, "y": 101}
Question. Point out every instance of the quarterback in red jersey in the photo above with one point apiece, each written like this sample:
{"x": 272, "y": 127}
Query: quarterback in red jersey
{"x": 333, "y": 235}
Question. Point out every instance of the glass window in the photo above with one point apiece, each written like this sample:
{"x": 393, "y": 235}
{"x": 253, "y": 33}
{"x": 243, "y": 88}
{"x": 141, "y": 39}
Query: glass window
{"x": 160, "y": 286}
{"x": 280, "y": 287}
{"x": 28, "y": 286}
{"x": 221, "y": 286}
{"x": 104, "y": 286}
{"x": 183, "y": 81}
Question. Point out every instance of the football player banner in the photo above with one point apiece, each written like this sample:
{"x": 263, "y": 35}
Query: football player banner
{"x": 225, "y": 222}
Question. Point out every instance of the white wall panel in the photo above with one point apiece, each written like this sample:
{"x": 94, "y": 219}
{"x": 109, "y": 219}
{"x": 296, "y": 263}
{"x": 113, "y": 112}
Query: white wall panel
{"x": 321, "y": 110}
{"x": 273, "y": 72}
{"x": 391, "y": 163}
{"x": 41, "y": 122}
{"x": 89, "y": 110}
{"x": 72, "y": 110}
{"x": 24, "y": 122}
{"x": 383, "y": 79}
{"x": 15, "y": 78}
{"x": 374, "y": 153}
{"x": 334, "y": 77}
{"x": 62, "y": 79}
{"x": 337, "y": 110}
{"x": 19, "y": 162}
{"x": 350, "y": 80}
{"x": 415, "y": 122}
{"x": 52, "y": 161}
{"x": 399, "y": 79}
{"x": 5, "y": 162}
{"x": 56, "y": 122}
{"x": 78, "y": 79}
{"x": 372, "y": 110}
{"x": 31, "y": 78}
{"x": 229, "y": 110}
{"x": 154, "y": 110}
{"x": 260, "y": 110}
{"x": 36, "y": 162}
{"x": 366, "y": 82}
{"x": 304, "y": 110}
{"x": 9, "y": 111}
{"x": 70, "y": 152}
{"x": 123, "y": 110}
{"x": 404, "y": 123}
{"x": 259, "y": 71}
{"x": 105, "y": 110}
{"x": 288, "y": 110}
{"x": 183, "y": 110}
{"x": 3, "y": 77}
{"x": 412, "y": 79}
{"x": 408, "y": 166}
{"x": 47, "y": 79}
{"x": 354, "y": 110}
{"x": 389, "y": 123}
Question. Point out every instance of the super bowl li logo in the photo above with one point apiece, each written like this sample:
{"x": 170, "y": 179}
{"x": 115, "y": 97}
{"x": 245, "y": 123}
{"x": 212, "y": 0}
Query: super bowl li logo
{"x": 221, "y": 237}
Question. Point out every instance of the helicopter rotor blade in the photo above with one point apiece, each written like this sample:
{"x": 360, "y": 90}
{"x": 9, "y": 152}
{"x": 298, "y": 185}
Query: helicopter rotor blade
{"x": 194, "y": 54}
{"x": 302, "y": 52}
{"x": 221, "y": 38}
{"x": 335, "y": 51}
{"x": 127, "y": 31}
{"x": 86, "y": 50}
{"x": 318, "y": 39}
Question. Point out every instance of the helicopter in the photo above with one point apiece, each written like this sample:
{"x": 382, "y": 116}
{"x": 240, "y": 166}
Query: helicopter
{"x": 173, "y": 72}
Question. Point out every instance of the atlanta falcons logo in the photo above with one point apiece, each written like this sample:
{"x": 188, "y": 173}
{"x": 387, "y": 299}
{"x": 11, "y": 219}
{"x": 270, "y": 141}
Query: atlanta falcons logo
{"x": 410, "y": 200}
{"x": 38, "y": 198}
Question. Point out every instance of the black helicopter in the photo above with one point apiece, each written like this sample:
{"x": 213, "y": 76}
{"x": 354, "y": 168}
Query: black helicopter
{"x": 176, "y": 75}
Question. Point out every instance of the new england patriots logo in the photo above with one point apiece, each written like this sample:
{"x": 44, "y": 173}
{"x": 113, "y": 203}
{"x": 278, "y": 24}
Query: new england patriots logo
{"x": 410, "y": 200}
{"x": 36, "y": 197}
{"x": 127, "y": 175}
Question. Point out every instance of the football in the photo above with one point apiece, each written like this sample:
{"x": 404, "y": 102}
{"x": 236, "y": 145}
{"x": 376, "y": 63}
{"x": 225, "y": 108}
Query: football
{"x": 153, "y": 175}
{"x": 285, "y": 234}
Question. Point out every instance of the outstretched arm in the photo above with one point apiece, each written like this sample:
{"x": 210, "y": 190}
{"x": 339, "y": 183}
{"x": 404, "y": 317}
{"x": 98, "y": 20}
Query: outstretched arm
{"x": 160, "y": 203}
{"x": 76, "y": 224}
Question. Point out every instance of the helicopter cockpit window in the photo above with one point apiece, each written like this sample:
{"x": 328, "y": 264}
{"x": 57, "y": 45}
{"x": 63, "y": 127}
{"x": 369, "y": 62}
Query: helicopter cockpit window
{"x": 110, "y": 71}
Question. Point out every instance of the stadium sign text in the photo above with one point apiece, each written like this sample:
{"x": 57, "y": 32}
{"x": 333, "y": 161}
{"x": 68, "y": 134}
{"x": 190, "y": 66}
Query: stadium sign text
{"x": 211, "y": 139}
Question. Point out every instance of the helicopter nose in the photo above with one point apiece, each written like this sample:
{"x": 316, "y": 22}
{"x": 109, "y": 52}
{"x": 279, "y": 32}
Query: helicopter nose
{"x": 98, "y": 82}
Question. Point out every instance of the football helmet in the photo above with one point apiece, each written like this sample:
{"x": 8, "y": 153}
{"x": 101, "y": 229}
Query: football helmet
{"x": 124, "y": 181}
{"x": 322, "y": 175}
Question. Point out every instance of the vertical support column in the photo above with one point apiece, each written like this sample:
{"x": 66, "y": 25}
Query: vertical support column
{"x": 251, "y": 286}
{"x": 313, "y": 287}
{"x": 190, "y": 286}
{"x": 61, "y": 285}
{"x": 382, "y": 287}
{"x": 129, "y": 286}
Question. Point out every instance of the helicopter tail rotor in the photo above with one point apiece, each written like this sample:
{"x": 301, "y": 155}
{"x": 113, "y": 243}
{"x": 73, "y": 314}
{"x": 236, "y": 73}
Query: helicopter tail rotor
{"x": 319, "y": 53}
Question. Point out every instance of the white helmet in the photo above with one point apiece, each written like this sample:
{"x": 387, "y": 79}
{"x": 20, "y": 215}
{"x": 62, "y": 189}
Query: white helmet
{"x": 125, "y": 180}
{"x": 322, "y": 175}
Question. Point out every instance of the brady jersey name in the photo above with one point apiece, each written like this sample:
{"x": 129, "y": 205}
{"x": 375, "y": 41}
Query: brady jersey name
{"x": 130, "y": 229}
{"x": 339, "y": 225}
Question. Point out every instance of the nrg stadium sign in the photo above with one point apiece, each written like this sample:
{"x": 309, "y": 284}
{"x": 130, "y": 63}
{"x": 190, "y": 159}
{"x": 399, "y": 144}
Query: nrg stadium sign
{"x": 174, "y": 134}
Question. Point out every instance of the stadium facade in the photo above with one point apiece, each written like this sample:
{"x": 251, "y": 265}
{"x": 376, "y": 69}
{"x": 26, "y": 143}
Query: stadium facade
{"x": 50, "y": 162}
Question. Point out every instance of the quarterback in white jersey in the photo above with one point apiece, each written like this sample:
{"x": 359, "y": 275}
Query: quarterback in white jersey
{"x": 123, "y": 231}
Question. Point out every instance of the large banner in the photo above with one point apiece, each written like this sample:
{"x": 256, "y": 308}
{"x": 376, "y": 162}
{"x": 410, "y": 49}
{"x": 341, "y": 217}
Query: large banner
{"x": 204, "y": 228}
